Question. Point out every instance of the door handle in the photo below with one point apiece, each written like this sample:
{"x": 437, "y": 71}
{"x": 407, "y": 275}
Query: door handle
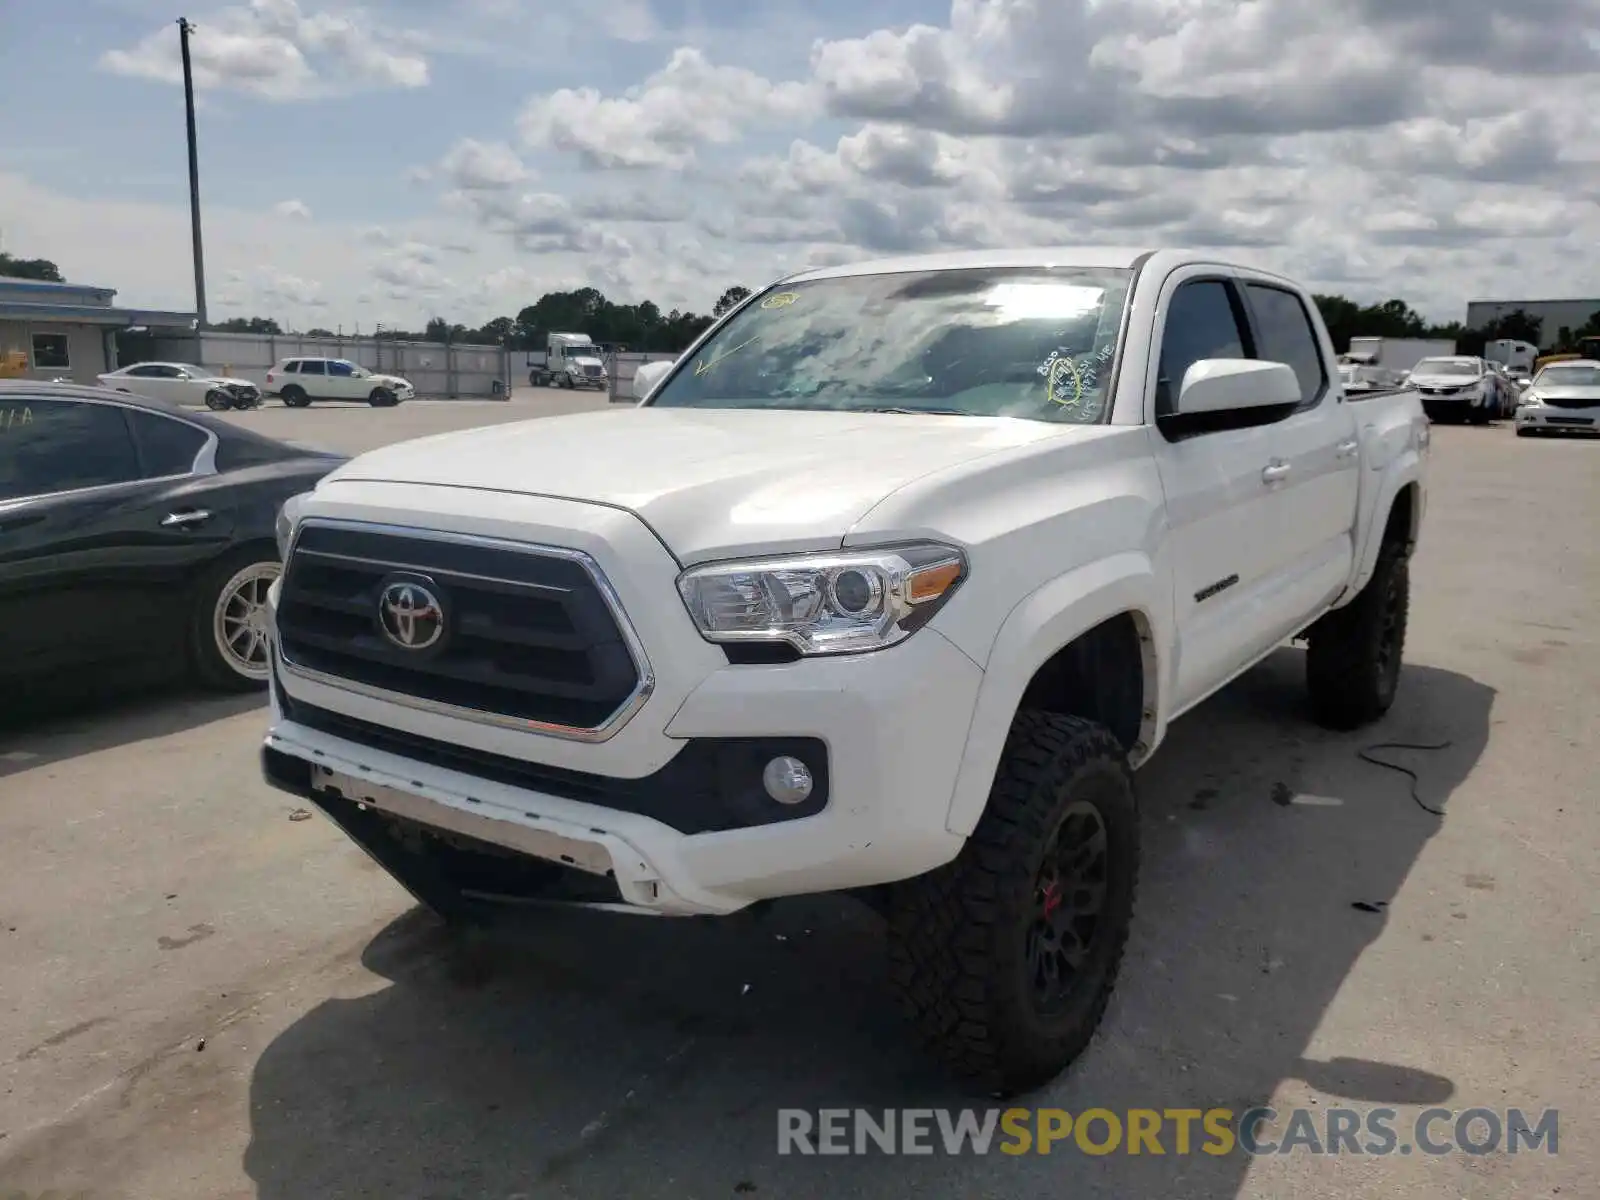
{"x": 1276, "y": 472}
{"x": 186, "y": 518}
{"x": 1348, "y": 449}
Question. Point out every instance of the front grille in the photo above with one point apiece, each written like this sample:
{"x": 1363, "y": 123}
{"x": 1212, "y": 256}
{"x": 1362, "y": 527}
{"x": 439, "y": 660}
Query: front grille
{"x": 1569, "y": 421}
{"x": 1572, "y": 401}
{"x": 523, "y": 634}
{"x": 592, "y": 372}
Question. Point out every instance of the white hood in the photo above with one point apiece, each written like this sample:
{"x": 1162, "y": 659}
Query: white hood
{"x": 1446, "y": 381}
{"x": 230, "y": 381}
{"x": 710, "y": 482}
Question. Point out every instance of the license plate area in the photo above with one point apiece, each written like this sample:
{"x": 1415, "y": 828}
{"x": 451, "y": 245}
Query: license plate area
{"x": 590, "y": 857}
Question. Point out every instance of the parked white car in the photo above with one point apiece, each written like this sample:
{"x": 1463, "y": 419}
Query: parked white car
{"x": 183, "y": 383}
{"x": 1456, "y": 388}
{"x": 1563, "y": 398}
{"x": 299, "y": 381}
{"x": 886, "y": 589}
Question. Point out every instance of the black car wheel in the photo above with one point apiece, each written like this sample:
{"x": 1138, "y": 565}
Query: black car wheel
{"x": 295, "y": 396}
{"x": 228, "y": 632}
{"x": 1005, "y": 959}
{"x": 218, "y": 400}
{"x": 383, "y": 397}
{"x": 1354, "y": 654}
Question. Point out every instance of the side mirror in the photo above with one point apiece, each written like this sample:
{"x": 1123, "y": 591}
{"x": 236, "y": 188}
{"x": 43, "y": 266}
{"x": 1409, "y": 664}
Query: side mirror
{"x": 1225, "y": 384}
{"x": 648, "y": 375}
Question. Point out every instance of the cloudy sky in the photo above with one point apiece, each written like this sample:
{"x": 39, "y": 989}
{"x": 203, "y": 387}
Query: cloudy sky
{"x": 396, "y": 159}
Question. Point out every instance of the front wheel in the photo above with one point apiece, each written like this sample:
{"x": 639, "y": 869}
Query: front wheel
{"x": 1354, "y": 653}
{"x": 228, "y": 632}
{"x": 1005, "y": 959}
{"x": 383, "y": 398}
{"x": 218, "y": 400}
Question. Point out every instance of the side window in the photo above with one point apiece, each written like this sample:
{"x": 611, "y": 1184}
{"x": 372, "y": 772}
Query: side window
{"x": 50, "y": 350}
{"x": 1201, "y": 323}
{"x": 341, "y": 368}
{"x": 312, "y": 366}
{"x": 291, "y": 368}
{"x": 166, "y": 447}
{"x": 148, "y": 371}
{"x": 62, "y": 445}
{"x": 1284, "y": 333}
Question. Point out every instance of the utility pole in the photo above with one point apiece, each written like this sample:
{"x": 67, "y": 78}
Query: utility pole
{"x": 184, "y": 29}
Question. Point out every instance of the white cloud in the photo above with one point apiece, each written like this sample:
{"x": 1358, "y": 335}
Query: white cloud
{"x": 295, "y": 209}
{"x": 688, "y": 103}
{"x": 273, "y": 49}
{"x": 480, "y": 166}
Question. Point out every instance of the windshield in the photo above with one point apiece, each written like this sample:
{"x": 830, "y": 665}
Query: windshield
{"x": 1444, "y": 366}
{"x": 990, "y": 342}
{"x": 580, "y": 352}
{"x": 1569, "y": 376}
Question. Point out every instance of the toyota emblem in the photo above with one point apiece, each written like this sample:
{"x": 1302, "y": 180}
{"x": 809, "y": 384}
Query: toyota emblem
{"x": 410, "y": 615}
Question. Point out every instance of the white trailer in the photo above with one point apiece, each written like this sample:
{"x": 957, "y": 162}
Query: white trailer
{"x": 1397, "y": 354}
{"x": 570, "y": 360}
{"x": 1512, "y": 354}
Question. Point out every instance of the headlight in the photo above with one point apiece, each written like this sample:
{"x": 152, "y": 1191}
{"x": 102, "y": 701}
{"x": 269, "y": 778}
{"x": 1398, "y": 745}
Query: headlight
{"x": 284, "y": 526}
{"x": 844, "y": 602}
{"x": 1532, "y": 399}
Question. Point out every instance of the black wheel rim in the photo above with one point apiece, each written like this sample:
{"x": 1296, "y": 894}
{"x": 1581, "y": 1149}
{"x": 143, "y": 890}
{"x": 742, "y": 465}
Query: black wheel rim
{"x": 1069, "y": 899}
{"x": 1389, "y": 632}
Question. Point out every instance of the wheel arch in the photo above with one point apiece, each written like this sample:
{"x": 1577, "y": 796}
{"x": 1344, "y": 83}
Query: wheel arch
{"x": 1086, "y": 644}
{"x": 1396, "y": 521}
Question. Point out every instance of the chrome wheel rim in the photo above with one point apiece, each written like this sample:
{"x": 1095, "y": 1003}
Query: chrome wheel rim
{"x": 239, "y": 620}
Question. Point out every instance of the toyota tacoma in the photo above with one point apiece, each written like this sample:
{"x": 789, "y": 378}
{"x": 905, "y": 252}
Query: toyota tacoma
{"x": 886, "y": 588}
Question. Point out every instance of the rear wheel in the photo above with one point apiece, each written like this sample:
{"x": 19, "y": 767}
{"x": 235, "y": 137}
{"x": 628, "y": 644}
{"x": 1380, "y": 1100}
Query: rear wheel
{"x": 1005, "y": 959}
{"x": 295, "y": 396}
{"x": 228, "y": 643}
{"x": 1354, "y": 653}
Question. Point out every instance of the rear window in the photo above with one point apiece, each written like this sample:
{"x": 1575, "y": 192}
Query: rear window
{"x": 166, "y": 447}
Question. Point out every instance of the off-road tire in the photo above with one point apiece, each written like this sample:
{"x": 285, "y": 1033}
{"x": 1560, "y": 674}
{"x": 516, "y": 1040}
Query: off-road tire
{"x": 958, "y": 936}
{"x": 295, "y": 396}
{"x": 1354, "y": 656}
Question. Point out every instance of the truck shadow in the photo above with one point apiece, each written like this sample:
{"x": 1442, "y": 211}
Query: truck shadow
{"x": 605, "y": 1056}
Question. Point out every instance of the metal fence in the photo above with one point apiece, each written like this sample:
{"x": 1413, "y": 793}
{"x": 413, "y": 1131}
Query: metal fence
{"x": 434, "y": 368}
{"x": 620, "y": 368}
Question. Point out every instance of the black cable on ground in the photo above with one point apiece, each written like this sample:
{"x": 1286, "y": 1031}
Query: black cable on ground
{"x": 1366, "y": 756}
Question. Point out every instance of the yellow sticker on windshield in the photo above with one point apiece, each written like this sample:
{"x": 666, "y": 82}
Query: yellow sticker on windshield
{"x": 15, "y": 418}
{"x": 780, "y": 300}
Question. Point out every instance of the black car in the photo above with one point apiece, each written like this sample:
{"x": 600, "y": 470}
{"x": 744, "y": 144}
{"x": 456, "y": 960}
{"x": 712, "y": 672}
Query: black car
{"x": 135, "y": 532}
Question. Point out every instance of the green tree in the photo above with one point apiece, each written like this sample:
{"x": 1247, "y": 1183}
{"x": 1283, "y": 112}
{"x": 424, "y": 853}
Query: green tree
{"x": 30, "y": 268}
{"x": 731, "y": 298}
{"x": 246, "y": 325}
{"x": 320, "y": 333}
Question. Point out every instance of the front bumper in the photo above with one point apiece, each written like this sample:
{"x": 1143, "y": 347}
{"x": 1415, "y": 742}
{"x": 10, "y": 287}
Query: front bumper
{"x": 1554, "y": 418}
{"x": 892, "y": 725}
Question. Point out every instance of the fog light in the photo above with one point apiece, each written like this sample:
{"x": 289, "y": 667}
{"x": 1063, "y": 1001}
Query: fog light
{"x": 787, "y": 780}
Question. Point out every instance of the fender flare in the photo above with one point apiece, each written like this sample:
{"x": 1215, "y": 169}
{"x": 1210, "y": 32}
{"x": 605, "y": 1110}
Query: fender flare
{"x": 1042, "y": 623}
{"x": 1403, "y": 471}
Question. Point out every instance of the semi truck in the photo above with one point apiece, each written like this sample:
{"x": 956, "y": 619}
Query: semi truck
{"x": 1397, "y": 354}
{"x": 570, "y": 360}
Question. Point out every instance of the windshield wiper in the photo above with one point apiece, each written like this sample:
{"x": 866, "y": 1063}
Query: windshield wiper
{"x": 907, "y": 412}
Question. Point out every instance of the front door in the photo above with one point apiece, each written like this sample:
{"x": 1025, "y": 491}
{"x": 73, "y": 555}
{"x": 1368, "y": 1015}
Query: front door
{"x": 1220, "y": 509}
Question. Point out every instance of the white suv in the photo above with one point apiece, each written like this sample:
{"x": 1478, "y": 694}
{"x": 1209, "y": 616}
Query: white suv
{"x": 299, "y": 381}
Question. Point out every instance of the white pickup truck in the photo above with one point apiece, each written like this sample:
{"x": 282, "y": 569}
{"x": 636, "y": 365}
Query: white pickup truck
{"x": 885, "y": 589}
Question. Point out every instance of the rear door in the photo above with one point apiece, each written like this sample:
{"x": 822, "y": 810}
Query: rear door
{"x": 1220, "y": 512}
{"x": 105, "y": 511}
{"x": 313, "y": 377}
{"x": 1315, "y": 452}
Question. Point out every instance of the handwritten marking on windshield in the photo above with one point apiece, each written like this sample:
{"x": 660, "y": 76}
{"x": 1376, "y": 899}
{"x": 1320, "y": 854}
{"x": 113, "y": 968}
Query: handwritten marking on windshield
{"x": 780, "y": 300}
{"x": 704, "y": 366}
